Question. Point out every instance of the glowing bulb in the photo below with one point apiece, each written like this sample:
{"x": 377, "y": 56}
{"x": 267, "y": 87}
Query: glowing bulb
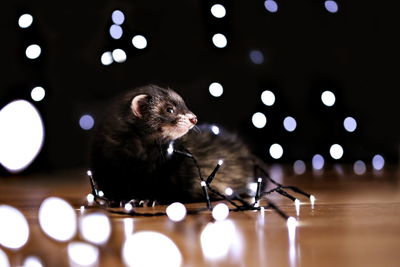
{"x": 328, "y": 98}
{"x": 228, "y": 191}
{"x": 220, "y": 162}
{"x": 89, "y": 173}
{"x": 33, "y": 51}
{"x": 101, "y": 193}
{"x": 116, "y": 31}
{"x": 95, "y": 228}
{"x": 259, "y": 120}
{"x": 276, "y": 151}
{"x": 106, "y": 58}
{"x": 139, "y": 250}
{"x": 378, "y": 162}
{"x": 271, "y": 6}
{"x": 139, "y": 41}
{"x": 297, "y": 205}
{"x": 312, "y": 200}
{"x": 218, "y": 11}
{"x": 216, "y": 89}
{"x": 170, "y": 149}
{"x": 318, "y": 162}
{"x": 219, "y": 40}
{"x": 118, "y": 17}
{"x": 82, "y": 254}
{"x": 268, "y": 98}
{"x": 57, "y": 219}
{"x": 220, "y": 212}
{"x": 290, "y": 124}
{"x": 90, "y": 198}
{"x": 350, "y": 124}
{"x": 14, "y": 228}
{"x": 128, "y": 206}
{"x": 336, "y": 151}
{"x": 4, "y": 262}
{"x": 176, "y": 212}
{"x": 86, "y": 122}
{"x": 292, "y": 222}
{"x": 38, "y": 93}
{"x": 25, "y": 21}
{"x": 331, "y": 6}
{"x": 21, "y": 135}
{"x": 119, "y": 55}
{"x": 215, "y": 130}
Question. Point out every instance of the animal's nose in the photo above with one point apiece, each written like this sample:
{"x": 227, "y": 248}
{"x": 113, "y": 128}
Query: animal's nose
{"x": 193, "y": 119}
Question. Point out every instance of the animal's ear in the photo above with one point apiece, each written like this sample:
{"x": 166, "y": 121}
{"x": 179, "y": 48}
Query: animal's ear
{"x": 136, "y": 104}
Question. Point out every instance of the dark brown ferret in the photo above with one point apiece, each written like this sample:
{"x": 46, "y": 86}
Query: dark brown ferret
{"x": 132, "y": 154}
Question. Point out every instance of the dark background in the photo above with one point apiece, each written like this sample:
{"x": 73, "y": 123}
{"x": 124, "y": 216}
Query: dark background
{"x": 354, "y": 53}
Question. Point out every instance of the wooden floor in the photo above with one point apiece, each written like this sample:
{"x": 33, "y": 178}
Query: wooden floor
{"x": 355, "y": 222}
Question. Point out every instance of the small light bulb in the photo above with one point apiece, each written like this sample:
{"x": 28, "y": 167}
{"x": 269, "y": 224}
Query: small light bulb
{"x": 170, "y": 149}
{"x": 220, "y": 212}
{"x": 220, "y": 162}
{"x": 312, "y": 200}
{"x": 297, "y": 204}
{"x": 101, "y": 193}
{"x": 89, "y": 173}
{"x": 176, "y": 212}
{"x": 90, "y": 198}
{"x": 229, "y": 191}
{"x": 292, "y": 222}
{"x": 128, "y": 206}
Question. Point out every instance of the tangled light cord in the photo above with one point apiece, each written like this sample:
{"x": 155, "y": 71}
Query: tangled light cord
{"x": 238, "y": 203}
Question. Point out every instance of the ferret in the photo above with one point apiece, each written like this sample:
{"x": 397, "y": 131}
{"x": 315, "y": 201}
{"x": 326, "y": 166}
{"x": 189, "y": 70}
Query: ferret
{"x": 132, "y": 154}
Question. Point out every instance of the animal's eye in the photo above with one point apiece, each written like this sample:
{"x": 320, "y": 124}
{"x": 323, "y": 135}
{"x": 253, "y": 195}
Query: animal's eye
{"x": 170, "y": 110}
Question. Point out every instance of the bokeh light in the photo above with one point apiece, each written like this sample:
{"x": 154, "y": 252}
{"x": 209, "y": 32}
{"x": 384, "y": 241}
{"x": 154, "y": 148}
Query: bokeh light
{"x": 350, "y": 124}
{"x": 95, "y": 228}
{"x": 119, "y": 55}
{"x": 106, "y": 58}
{"x": 328, "y": 98}
{"x": 271, "y": 6}
{"x": 331, "y": 6}
{"x": 378, "y": 162}
{"x": 259, "y": 120}
{"x": 86, "y": 122}
{"x": 318, "y": 162}
{"x": 33, "y": 51}
{"x": 216, "y": 89}
{"x": 215, "y": 129}
{"x": 139, "y": 41}
{"x": 118, "y": 17}
{"x": 116, "y": 31}
{"x": 256, "y": 56}
{"x": 220, "y": 212}
{"x": 336, "y": 151}
{"x": 21, "y": 135}
{"x": 219, "y": 40}
{"x": 4, "y": 262}
{"x": 148, "y": 248}
{"x": 25, "y": 21}
{"x": 218, "y": 11}
{"x": 57, "y": 219}
{"x": 176, "y": 212}
{"x": 32, "y": 261}
{"x": 359, "y": 167}
{"x": 38, "y": 93}
{"x": 290, "y": 124}
{"x": 299, "y": 167}
{"x": 276, "y": 151}
{"x": 83, "y": 254}
{"x": 268, "y": 98}
{"x": 14, "y": 228}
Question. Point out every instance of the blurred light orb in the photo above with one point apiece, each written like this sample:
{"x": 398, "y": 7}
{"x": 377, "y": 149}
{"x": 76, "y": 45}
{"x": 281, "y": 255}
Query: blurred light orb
{"x": 299, "y": 167}
{"x": 220, "y": 212}
{"x": 116, "y": 31}
{"x": 4, "y": 262}
{"x": 14, "y": 228}
{"x": 271, "y": 6}
{"x": 219, "y": 40}
{"x": 176, "y": 212}
{"x": 276, "y": 151}
{"x": 228, "y": 191}
{"x": 336, "y": 151}
{"x": 290, "y": 124}
{"x": 217, "y": 239}
{"x": 331, "y": 6}
{"x": 117, "y": 17}
{"x": 106, "y": 58}
{"x": 25, "y": 21}
{"x": 119, "y": 55}
{"x": 350, "y": 124}
{"x": 128, "y": 206}
{"x": 318, "y": 162}
{"x": 148, "y": 248}
{"x": 268, "y": 98}
{"x": 257, "y": 57}
{"x": 38, "y": 93}
{"x": 359, "y": 167}
{"x": 95, "y": 228}
{"x": 328, "y": 98}
{"x": 33, "y": 51}
{"x": 21, "y": 135}
{"x": 259, "y": 120}
{"x": 218, "y": 11}
{"x": 378, "y": 162}
{"x": 83, "y": 254}
{"x": 216, "y": 89}
{"x": 57, "y": 219}
{"x": 32, "y": 261}
{"x": 139, "y": 41}
{"x": 215, "y": 129}
{"x": 86, "y": 122}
